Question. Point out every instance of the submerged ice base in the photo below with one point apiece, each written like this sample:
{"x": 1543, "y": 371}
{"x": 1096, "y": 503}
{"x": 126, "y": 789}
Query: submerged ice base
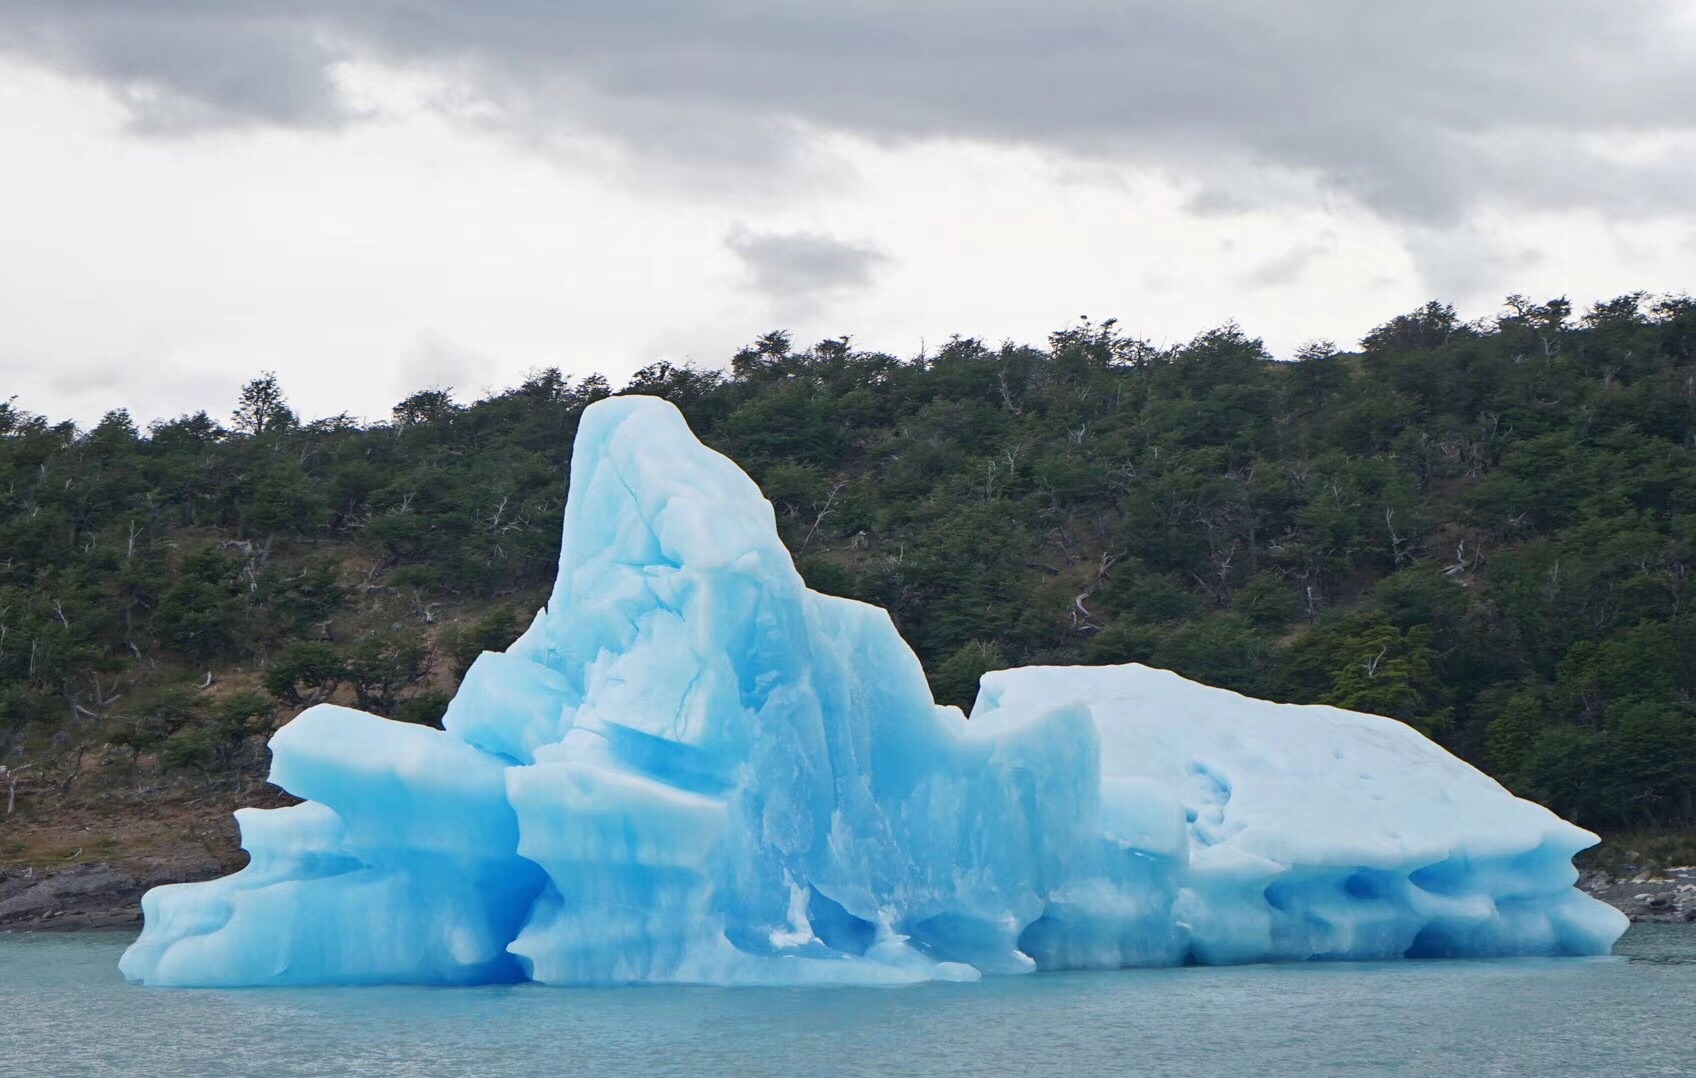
{"x": 692, "y": 769}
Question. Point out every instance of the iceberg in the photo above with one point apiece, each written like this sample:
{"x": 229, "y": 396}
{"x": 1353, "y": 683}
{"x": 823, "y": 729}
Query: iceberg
{"x": 690, "y": 768}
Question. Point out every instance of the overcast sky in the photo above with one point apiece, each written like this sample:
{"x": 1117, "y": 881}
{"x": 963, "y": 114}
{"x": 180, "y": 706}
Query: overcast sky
{"x": 373, "y": 197}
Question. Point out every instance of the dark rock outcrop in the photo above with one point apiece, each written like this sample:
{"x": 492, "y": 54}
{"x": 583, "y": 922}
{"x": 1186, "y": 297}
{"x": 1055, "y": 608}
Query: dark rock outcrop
{"x": 1665, "y": 895}
{"x": 86, "y": 896}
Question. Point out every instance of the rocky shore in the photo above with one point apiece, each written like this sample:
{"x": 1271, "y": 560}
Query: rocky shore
{"x": 85, "y": 863}
{"x": 86, "y": 896}
{"x": 102, "y": 896}
{"x": 1667, "y": 895}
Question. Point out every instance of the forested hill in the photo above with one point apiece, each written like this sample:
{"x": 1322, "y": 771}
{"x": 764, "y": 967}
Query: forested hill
{"x": 1485, "y": 529}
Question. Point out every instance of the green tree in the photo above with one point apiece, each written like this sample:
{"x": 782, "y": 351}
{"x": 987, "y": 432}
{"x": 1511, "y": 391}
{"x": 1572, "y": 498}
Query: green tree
{"x": 381, "y": 666}
{"x": 306, "y": 672}
{"x": 956, "y": 679}
{"x": 262, "y": 408}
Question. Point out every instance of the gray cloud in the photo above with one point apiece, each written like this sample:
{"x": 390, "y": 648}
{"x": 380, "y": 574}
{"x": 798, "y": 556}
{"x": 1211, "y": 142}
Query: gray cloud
{"x": 1288, "y": 267}
{"x": 1462, "y": 263}
{"x": 1422, "y": 112}
{"x": 797, "y": 268}
{"x": 187, "y": 66}
{"x": 436, "y": 362}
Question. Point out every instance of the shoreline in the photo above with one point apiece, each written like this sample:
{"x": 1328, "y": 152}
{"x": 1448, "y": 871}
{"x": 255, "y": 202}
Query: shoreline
{"x": 1667, "y": 897}
{"x": 94, "y": 896}
{"x": 103, "y": 897}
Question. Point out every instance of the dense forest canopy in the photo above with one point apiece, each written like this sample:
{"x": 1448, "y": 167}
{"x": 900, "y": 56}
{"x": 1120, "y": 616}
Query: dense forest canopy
{"x": 1485, "y": 529}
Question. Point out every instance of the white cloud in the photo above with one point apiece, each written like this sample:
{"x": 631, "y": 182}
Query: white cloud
{"x": 368, "y": 206}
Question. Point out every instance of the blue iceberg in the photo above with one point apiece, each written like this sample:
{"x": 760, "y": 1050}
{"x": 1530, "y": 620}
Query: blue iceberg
{"x": 691, "y": 768}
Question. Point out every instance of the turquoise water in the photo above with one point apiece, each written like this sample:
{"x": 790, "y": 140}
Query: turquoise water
{"x": 65, "y": 1011}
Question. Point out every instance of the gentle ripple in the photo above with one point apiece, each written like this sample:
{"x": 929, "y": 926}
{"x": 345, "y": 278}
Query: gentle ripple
{"x": 65, "y": 1011}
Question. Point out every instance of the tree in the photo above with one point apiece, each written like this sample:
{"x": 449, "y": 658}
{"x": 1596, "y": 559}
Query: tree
{"x": 423, "y": 709}
{"x": 1482, "y": 528}
{"x": 1267, "y": 601}
{"x": 425, "y": 406}
{"x": 956, "y": 679}
{"x": 307, "y": 672}
{"x": 494, "y": 631}
{"x": 381, "y": 666}
{"x": 151, "y": 717}
{"x": 1384, "y": 671}
{"x": 262, "y": 408}
{"x": 1432, "y": 326}
{"x": 200, "y": 614}
{"x": 1220, "y": 649}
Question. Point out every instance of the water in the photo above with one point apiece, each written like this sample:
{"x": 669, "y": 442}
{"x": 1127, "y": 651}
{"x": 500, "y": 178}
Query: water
{"x": 65, "y": 1011}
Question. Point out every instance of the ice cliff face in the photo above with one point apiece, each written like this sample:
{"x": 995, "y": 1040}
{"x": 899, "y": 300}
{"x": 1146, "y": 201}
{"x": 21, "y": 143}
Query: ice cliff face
{"x": 691, "y": 768}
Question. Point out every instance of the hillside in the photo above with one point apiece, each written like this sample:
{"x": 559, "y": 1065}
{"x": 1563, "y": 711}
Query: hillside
{"x": 1484, "y": 529}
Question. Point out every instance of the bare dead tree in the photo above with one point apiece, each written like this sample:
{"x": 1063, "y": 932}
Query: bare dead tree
{"x": 829, "y": 504}
{"x": 1006, "y": 392}
{"x": 1082, "y": 619}
{"x": 1463, "y": 564}
{"x": 1371, "y": 665}
{"x": 1400, "y": 549}
{"x": 10, "y": 774}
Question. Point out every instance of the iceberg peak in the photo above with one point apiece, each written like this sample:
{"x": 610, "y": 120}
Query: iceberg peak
{"x": 691, "y": 768}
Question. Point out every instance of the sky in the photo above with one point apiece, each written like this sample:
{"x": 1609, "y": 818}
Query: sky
{"x": 371, "y": 197}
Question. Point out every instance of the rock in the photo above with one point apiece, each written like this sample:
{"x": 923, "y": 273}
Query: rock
{"x": 1651, "y": 897}
{"x": 87, "y": 896}
{"x": 78, "y": 887}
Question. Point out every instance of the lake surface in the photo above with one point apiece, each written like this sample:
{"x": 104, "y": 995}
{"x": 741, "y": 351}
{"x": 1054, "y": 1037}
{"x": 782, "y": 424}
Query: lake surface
{"x": 65, "y": 1011}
